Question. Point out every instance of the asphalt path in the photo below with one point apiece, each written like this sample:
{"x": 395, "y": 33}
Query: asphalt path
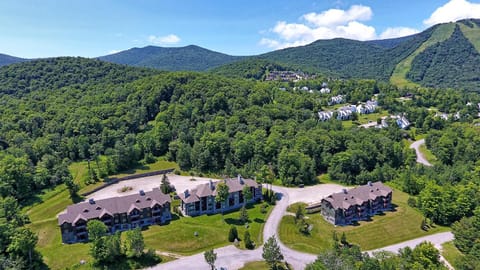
{"x": 230, "y": 257}
{"x": 420, "y": 157}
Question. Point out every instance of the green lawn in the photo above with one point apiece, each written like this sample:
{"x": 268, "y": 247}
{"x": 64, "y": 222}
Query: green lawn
{"x": 43, "y": 212}
{"x": 259, "y": 265}
{"x": 451, "y": 253}
{"x": 178, "y": 237}
{"x": 393, "y": 227}
{"x": 160, "y": 164}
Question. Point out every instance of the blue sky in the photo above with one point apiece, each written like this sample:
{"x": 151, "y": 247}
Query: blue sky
{"x": 89, "y": 28}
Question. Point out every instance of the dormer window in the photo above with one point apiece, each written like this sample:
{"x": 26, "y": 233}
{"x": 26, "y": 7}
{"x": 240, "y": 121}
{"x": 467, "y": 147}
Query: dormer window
{"x": 137, "y": 201}
{"x": 85, "y": 210}
{"x": 149, "y": 199}
{"x": 98, "y": 208}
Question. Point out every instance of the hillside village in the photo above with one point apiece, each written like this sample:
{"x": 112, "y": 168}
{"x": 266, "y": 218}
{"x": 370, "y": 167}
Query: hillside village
{"x": 313, "y": 136}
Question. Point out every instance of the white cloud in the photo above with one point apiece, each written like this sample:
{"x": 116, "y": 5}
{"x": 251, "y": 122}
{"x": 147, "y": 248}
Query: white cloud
{"x": 114, "y": 51}
{"x": 333, "y": 17}
{"x": 453, "y": 11}
{"x": 164, "y": 40}
{"x": 328, "y": 24}
{"x": 394, "y": 32}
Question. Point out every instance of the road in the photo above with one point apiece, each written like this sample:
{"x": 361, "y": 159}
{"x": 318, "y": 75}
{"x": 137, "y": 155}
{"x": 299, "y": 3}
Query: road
{"x": 436, "y": 239}
{"x": 230, "y": 257}
{"x": 420, "y": 157}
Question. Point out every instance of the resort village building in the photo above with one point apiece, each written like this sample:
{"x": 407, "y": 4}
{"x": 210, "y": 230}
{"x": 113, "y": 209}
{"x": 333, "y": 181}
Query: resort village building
{"x": 356, "y": 204}
{"x": 201, "y": 200}
{"x": 117, "y": 213}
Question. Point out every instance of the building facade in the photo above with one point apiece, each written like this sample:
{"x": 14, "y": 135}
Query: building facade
{"x": 356, "y": 204}
{"x": 117, "y": 213}
{"x": 201, "y": 200}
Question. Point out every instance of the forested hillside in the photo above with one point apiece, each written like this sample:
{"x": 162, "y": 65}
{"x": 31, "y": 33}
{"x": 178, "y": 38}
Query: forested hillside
{"x": 191, "y": 58}
{"x": 453, "y": 63}
{"x": 55, "y": 111}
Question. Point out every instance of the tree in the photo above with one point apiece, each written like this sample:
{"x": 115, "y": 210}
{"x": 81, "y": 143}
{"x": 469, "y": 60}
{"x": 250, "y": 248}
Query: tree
{"x": 210, "y": 257}
{"x": 99, "y": 250}
{"x": 232, "y": 234}
{"x": 222, "y": 194}
{"x": 243, "y": 216}
{"x": 165, "y": 185}
{"x": 72, "y": 187}
{"x": 113, "y": 246}
{"x": 134, "y": 243}
{"x": 298, "y": 213}
{"x": 247, "y": 194}
{"x": 23, "y": 243}
{"x": 96, "y": 229}
{"x": 248, "y": 241}
{"x": 271, "y": 252}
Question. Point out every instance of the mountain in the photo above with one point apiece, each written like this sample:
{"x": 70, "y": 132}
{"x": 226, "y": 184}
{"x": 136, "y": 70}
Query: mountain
{"x": 191, "y": 58}
{"x": 445, "y": 55}
{"x": 7, "y": 59}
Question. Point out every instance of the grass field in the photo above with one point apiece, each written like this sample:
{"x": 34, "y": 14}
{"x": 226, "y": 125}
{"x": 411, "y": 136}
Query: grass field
{"x": 451, "y": 253}
{"x": 383, "y": 230}
{"x": 399, "y": 75}
{"x": 178, "y": 237}
{"x": 43, "y": 211}
{"x": 259, "y": 265}
{"x": 471, "y": 34}
{"x": 160, "y": 164}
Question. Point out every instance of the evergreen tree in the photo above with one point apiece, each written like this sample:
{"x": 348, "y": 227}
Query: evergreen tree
{"x": 271, "y": 253}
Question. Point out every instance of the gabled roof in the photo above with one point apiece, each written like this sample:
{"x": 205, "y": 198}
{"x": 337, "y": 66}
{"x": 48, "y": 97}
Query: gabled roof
{"x": 125, "y": 204}
{"x": 209, "y": 189}
{"x": 358, "y": 195}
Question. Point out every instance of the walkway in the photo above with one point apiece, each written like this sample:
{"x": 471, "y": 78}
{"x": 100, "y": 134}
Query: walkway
{"x": 420, "y": 157}
{"x": 230, "y": 257}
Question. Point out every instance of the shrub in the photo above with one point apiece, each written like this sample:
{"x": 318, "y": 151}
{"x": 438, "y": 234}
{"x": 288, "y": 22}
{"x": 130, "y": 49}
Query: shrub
{"x": 412, "y": 202}
{"x": 232, "y": 234}
{"x": 248, "y": 241}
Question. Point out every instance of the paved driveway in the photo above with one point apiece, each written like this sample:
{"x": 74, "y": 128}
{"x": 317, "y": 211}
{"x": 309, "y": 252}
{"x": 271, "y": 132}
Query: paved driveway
{"x": 232, "y": 258}
{"x": 420, "y": 157}
{"x": 181, "y": 183}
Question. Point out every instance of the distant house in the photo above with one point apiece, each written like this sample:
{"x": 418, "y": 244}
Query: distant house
{"x": 325, "y": 115}
{"x": 336, "y": 100}
{"x": 325, "y": 89}
{"x": 383, "y": 124}
{"x": 356, "y": 204}
{"x": 304, "y": 88}
{"x": 201, "y": 200}
{"x": 345, "y": 113}
{"x": 117, "y": 213}
{"x": 367, "y": 108}
{"x": 402, "y": 122}
{"x": 442, "y": 116}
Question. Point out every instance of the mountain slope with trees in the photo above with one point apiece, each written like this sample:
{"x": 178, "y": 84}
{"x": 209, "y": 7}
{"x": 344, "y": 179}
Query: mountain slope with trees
{"x": 453, "y": 63}
{"x": 188, "y": 58}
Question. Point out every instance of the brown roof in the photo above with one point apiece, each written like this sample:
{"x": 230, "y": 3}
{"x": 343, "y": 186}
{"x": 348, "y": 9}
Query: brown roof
{"x": 358, "y": 195}
{"x": 209, "y": 189}
{"x": 95, "y": 209}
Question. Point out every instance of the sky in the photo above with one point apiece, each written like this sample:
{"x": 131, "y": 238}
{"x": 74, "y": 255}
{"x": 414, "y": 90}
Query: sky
{"x": 91, "y": 28}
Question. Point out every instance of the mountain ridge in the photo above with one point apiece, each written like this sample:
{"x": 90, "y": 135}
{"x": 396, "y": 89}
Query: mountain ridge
{"x": 6, "y": 59}
{"x": 187, "y": 58}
